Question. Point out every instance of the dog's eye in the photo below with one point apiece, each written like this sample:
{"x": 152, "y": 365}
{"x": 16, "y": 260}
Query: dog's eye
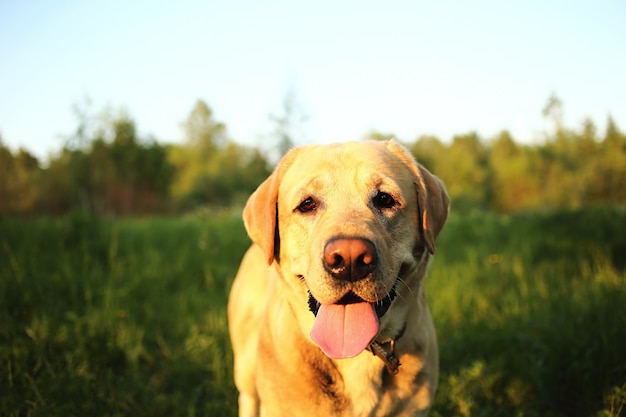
{"x": 383, "y": 200}
{"x": 307, "y": 205}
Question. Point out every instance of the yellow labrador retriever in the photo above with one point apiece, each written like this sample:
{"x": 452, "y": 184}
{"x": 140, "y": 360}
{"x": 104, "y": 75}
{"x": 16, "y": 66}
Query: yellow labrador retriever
{"x": 327, "y": 314}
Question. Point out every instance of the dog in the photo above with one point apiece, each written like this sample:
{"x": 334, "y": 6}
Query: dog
{"x": 327, "y": 313}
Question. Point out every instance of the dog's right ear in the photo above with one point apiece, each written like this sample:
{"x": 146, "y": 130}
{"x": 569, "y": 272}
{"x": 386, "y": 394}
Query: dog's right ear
{"x": 260, "y": 216}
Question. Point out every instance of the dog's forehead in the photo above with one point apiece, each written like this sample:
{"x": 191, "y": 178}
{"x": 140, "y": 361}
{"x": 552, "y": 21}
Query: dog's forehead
{"x": 350, "y": 165}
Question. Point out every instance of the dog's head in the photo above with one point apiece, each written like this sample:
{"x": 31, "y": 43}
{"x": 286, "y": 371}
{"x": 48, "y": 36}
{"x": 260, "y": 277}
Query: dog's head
{"x": 350, "y": 226}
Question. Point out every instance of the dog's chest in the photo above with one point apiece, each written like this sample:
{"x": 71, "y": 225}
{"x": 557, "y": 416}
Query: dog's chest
{"x": 362, "y": 387}
{"x": 368, "y": 389}
{"x": 362, "y": 383}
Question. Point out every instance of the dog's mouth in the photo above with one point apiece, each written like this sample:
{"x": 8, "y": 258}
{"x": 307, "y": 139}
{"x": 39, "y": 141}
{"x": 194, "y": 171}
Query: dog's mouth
{"x": 380, "y": 306}
{"x": 344, "y": 329}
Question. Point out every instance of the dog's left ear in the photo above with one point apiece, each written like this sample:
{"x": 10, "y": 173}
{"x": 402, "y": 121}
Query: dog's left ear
{"x": 432, "y": 198}
{"x": 260, "y": 216}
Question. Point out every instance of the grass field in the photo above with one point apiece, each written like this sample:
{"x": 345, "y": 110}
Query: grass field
{"x": 127, "y": 317}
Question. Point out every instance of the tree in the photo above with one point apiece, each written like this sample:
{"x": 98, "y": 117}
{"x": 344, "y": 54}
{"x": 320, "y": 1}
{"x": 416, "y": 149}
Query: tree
{"x": 509, "y": 186}
{"x": 202, "y": 132}
{"x": 107, "y": 168}
{"x": 587, "y": 152}
{"x": 429, "y": 151}
{"x": 56, "y": 186}
{"x": 553, "y": 111}
{"x": 287, "y": 129}
{"x": 614, "y": 139}
{"x": 611, "y": 170}
{"x": 7, "y": 183}
{"x": 26, "y": 176}
{"x": 195, "y": 159}
{"x": 463, "y": 168}
{"x": 210, "y": 169}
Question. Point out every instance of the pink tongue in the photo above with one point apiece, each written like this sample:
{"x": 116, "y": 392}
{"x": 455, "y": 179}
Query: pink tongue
{"x": 344, "y": 330}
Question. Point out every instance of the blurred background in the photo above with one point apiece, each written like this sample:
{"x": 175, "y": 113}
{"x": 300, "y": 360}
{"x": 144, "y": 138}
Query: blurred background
{"x": 132, "y": 133}
{"x": 154, "y": 107}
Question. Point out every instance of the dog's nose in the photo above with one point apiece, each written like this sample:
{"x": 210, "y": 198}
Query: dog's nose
{"x": 350, "y": 259}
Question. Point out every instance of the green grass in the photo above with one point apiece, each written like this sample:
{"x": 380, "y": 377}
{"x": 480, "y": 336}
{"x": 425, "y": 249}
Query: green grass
{"x": 117, "y": 318}
{"x": 531, "y": 314}
{"x": 127, "y": 317}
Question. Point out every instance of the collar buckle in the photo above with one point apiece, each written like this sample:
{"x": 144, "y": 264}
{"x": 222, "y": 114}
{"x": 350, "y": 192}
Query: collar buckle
{"x": 385, "y": 351}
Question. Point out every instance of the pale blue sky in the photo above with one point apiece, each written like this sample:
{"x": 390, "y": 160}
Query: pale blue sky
{"x": 403, "y": 67}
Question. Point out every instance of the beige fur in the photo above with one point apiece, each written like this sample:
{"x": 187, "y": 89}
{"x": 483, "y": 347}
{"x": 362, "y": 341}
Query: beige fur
{"x": 279, "y": 370}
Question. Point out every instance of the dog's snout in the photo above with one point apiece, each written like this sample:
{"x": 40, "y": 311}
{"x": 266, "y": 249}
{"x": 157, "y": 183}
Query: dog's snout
{"x": 350, "y": 259}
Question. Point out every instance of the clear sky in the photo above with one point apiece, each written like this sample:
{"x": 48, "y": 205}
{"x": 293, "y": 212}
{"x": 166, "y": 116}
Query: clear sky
{"x": 403, "y": 67}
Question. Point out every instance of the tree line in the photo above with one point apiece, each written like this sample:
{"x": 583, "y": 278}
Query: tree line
{"x": 569, "y": 170}
{"x": 105, "y": 168}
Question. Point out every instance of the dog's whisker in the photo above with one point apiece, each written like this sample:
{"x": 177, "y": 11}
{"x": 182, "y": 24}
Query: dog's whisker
{"x": 407, "y": 286}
